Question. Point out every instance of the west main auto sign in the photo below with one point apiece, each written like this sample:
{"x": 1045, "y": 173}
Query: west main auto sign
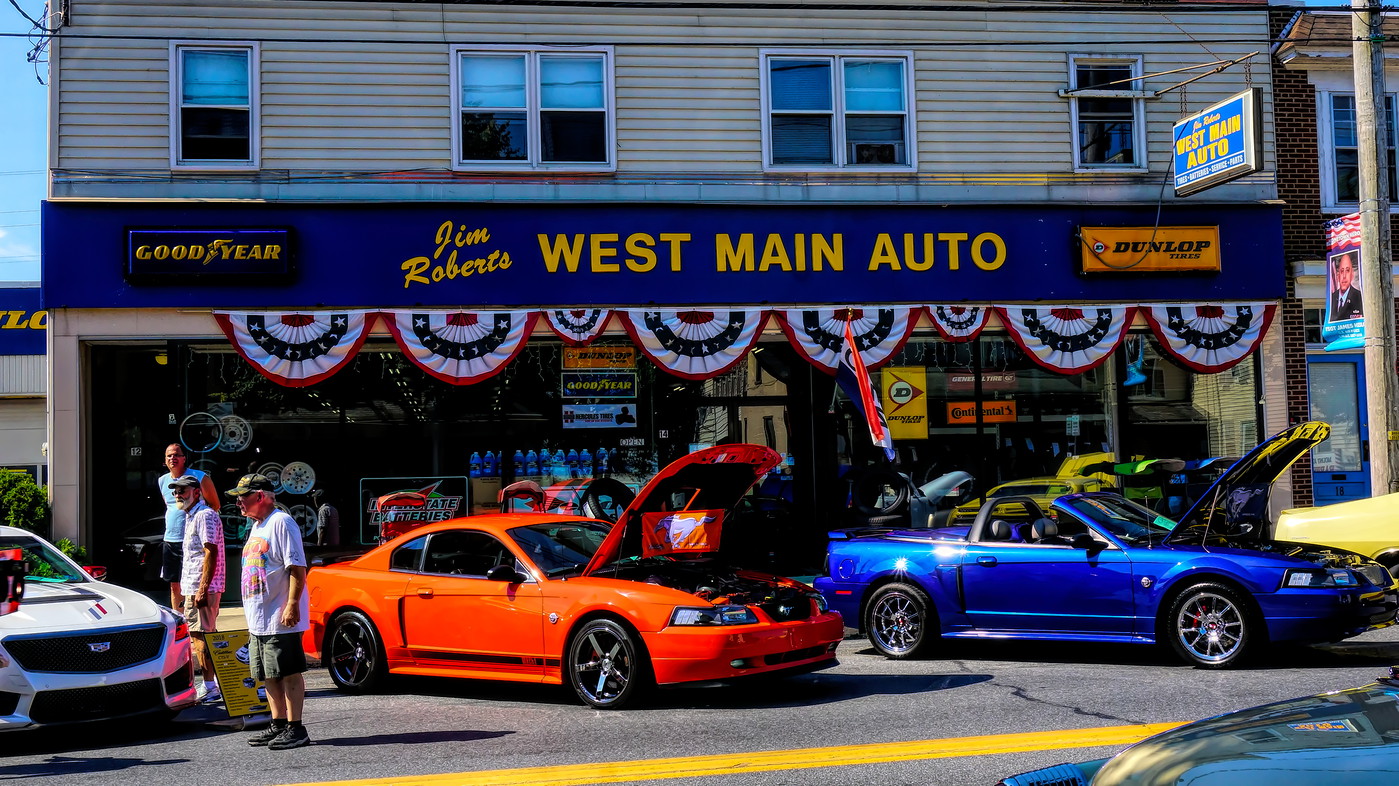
{"x": 1219, "y": 144}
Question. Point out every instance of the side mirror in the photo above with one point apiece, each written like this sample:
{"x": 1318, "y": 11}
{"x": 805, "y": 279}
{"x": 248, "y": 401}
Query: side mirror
{"x": 1087, "y": 542}
{"x": 506, "y": 573}
{"x": 97, "y": 572}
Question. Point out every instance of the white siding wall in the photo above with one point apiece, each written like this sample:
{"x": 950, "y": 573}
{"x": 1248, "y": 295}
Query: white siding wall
{"x": 366, "y": 86}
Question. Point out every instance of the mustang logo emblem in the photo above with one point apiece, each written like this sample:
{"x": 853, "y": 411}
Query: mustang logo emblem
{"x": 100, "y": 646}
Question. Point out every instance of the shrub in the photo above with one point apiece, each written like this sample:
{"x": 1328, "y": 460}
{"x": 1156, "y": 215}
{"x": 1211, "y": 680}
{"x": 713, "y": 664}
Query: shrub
{"x": 23, "y": 503}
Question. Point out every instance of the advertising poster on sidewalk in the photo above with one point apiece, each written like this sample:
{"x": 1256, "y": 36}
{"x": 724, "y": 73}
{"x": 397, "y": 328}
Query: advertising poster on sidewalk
{"x": 242, "y": 695}
{"x": 1343, "y": 326}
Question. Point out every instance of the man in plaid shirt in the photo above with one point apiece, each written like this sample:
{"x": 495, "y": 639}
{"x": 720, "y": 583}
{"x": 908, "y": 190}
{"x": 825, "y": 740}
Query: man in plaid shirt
{"x": 202, "y": 576}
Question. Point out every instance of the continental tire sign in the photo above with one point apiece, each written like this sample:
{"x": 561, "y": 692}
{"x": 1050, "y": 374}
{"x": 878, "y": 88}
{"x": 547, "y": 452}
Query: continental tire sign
{"x": 208, "y": 253}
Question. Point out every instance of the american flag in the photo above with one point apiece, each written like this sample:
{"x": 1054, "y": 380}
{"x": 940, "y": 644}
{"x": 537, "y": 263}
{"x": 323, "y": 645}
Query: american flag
{"x": 1343, "y": 232}
{"x": 854, "y": 379}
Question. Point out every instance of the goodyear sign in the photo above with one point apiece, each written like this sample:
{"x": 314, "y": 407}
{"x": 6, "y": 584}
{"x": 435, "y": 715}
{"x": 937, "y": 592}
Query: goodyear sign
{"x": 1149, "y": 249}
{"x": 208, "y": 252}
{"x": 905, "y": 401}
{"x": 1219, "y": 144}
{"x": 23, "y": 325}
{"x": 592, "y": 384}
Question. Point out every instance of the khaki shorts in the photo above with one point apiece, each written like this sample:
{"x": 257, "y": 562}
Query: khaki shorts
{"x": 202, "y": 620}
{"x": 276, "y": 656}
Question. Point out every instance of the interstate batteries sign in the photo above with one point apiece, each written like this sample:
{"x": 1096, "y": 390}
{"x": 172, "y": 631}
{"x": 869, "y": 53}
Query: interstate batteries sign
{"x": 202, "y": 253}
{"x": 570, "y": 255}
{"x": 1219, "y": 144}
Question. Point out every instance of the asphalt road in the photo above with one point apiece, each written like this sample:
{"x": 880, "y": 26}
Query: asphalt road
{"x": 867, "y": 705}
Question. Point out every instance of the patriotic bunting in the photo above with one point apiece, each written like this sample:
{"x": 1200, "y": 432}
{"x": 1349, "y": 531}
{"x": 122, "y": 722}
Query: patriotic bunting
{"x": 819, "y": 334}
{"x": 959, "y": 323}
{"x": 461, "y": 347}
{"x": 296, "y": 349}
{"x": 1209, "y": 338}
{"x": 694, "y": 344}
{"x": 578, "y": 326}
{"x": 1068, "y": 339}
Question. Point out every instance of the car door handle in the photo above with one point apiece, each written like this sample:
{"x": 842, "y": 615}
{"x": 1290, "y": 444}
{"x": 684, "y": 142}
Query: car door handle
{"x": 425, "y": 592}
{"x": 987, "y": 561}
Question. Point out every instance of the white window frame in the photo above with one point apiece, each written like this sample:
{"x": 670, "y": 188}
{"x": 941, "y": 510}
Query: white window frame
{"x": 1326, "y": 148}
{"x": 533, "y": 153}
{"x": 1133, "y": 92}
{"x": 254, "y": 107}
{"x": 839, "y": 162}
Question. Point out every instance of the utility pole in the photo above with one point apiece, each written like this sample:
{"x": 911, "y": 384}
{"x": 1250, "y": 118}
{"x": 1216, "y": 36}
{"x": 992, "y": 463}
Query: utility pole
{"x": 1377, "y": 283}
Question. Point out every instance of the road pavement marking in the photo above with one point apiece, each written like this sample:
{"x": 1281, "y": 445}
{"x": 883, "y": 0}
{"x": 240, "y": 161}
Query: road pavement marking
{"x": 764, "y": 761}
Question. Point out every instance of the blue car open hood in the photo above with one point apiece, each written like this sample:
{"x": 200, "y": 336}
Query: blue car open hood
{"x": 1236, "y": 504}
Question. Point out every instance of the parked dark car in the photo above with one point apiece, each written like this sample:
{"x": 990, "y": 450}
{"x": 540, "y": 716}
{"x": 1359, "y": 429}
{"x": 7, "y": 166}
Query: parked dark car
{"x": 1346, "y": 738}
{"x": 1098, "y": 567}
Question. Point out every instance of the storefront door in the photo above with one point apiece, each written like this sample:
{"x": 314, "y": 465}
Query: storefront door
{"x": 1341, "y": 464}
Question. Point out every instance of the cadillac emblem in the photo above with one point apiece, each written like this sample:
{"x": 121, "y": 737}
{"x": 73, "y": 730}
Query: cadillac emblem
{"x": 100, "y": 646}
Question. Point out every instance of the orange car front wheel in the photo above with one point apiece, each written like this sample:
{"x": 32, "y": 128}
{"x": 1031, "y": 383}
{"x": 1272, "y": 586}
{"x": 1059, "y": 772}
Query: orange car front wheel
{"x": 607, "y": 664}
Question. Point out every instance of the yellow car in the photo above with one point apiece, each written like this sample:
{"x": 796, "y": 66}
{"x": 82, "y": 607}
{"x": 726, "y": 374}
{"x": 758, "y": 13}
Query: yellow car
{"x": 1367, "y": 526}
{"x": 1042, "y": 490}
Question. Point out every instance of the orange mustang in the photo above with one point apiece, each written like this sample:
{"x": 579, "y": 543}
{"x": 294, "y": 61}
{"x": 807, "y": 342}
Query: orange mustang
{"x": 611, "y": 609}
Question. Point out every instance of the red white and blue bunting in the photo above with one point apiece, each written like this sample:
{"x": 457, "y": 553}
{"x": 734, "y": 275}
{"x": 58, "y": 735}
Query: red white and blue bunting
{"x": 694, "y": 344}
{"x": 819, "y": 334}
{"x": 297, "y": 348}
{"x": 577, "y": 326}
{"x": 959, "y": 323}
{"x": 1209, "y": 338}
{"x": 460, "y": 347}
{"x": 1067, "y": 339}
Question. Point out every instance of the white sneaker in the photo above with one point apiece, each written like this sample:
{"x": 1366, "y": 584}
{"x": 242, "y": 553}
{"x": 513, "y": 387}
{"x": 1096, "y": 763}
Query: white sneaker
{"x": 212, "y": 696}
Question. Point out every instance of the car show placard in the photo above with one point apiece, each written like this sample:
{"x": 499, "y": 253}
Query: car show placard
{"x": 242, "y": 695}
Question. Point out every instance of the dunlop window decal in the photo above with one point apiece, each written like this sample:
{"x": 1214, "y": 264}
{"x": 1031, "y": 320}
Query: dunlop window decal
{"x": 1209, "y": 338}
{"x": 819, "y": 334}
{"x": 460, "y": 347}
{"x": 296, "y": 349}
{"x": 694, "y": 344}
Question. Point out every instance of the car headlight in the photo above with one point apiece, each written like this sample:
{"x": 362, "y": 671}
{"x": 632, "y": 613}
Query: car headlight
{"x": 821, "y": 606}
{"x": 712, "y": 615}
{"x": 1316, "y": 577}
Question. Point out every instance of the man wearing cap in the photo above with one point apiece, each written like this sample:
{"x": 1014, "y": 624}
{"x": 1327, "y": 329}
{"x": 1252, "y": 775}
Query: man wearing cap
{"x": 201, "y": 575}
{"x": 274, "y": 600}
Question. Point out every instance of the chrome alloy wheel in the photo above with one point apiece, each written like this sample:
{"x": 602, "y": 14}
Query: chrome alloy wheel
{"x": 605, "y": 664}
{"x": 896, "y": 622}
{"x": 1210, "y": 627}
{"x": 352, "y": 653}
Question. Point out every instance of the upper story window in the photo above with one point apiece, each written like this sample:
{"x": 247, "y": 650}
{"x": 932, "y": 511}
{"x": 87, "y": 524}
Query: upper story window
{"x": 838, "y": 111}
{"x": 1340, "y": 143}
{"x": 214, "y": 106}
{"x": 1106, "y": 108}
{"x": 522, "y": 109}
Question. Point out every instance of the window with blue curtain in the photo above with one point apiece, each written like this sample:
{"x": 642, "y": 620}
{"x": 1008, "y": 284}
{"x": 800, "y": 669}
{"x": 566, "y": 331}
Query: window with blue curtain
{"x": 1346, "y": 147}
{"x": 533, "y": 107}
{"x": 837, "y": 111}
{"x": 215, "y": 107}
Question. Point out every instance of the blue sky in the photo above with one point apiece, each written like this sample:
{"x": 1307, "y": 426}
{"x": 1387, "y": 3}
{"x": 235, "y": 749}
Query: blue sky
{"x": 23, "y": 157}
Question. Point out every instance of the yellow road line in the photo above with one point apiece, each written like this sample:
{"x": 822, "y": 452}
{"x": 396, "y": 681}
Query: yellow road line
{"x": 762, "y": 761}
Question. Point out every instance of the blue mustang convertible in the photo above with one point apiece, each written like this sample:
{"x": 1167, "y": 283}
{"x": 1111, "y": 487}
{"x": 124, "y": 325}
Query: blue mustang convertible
{"x": 1098, "y": 567}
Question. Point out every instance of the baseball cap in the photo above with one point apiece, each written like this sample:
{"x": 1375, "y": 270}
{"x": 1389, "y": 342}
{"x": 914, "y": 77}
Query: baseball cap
{"x": 184, "y": 482}
{"x": 249, "y": 483}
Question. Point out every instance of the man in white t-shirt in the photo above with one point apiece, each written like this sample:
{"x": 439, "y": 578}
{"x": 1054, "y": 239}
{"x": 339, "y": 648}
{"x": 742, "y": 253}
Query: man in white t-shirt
{"x": 202, "y": 577}
{"x": 275, "y": 602}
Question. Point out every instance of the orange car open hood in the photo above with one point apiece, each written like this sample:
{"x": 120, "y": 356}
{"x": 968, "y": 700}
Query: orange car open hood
{"x": 711, "y": 479}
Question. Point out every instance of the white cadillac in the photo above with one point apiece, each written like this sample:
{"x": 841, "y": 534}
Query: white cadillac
{"x": 79, "y": 650}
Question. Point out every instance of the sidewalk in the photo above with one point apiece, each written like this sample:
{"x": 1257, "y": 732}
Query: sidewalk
{"x": 231, "y": 618}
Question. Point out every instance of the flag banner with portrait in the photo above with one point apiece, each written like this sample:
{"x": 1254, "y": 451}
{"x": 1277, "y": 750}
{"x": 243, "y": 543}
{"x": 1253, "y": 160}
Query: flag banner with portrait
{"x": 577, "y": 326}
{"x": 460, "y": 347}
{"x": 854, "y": 378}
{"x": 297, "y": 348}
{"x": 1068, "y": 339}
{"x": 1343, "y": 324}
{"x": 695, "y": 344}
{"x": 819, "y": 334}
{"x": 958, "y": 323}
{"x": 1209, "y": 338}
